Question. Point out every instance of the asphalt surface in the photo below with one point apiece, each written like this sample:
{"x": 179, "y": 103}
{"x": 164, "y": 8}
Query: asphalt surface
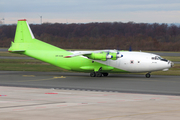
{"x": 3, "y": 49}
{"x": 126, "y": 83}
{"x": 22, "y": 103}
{"x": 167, "y": 85}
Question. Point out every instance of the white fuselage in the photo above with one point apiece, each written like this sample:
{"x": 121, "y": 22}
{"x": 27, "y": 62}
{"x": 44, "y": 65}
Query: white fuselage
{"x": 136, "y": 61}
{"x": 139, "y": 62}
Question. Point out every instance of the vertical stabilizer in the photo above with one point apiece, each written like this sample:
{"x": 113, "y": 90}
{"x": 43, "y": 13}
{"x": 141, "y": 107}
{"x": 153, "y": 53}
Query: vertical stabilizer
{"x": 24, "y": 40}
{"x": 23, "y": 32}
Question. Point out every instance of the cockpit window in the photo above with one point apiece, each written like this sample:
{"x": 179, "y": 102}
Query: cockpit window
{"x": 158, "y": 58}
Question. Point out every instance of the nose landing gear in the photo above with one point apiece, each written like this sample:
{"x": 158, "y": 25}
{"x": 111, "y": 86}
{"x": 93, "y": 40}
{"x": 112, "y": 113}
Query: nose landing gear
{"x": 148, "y": 75}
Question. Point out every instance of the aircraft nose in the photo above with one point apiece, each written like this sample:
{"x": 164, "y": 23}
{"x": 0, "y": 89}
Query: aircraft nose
{"x": 171, "y": 63}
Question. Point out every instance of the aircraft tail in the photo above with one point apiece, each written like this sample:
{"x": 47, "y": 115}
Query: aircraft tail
{"x": 25, "y": 40}
{"x": 23, "y": 32}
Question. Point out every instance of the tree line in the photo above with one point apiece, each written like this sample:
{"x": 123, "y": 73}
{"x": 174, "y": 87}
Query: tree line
{"x": 116, "y": 35}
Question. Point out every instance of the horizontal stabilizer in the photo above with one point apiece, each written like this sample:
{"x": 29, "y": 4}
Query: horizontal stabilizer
{"x": 17, "y": 51}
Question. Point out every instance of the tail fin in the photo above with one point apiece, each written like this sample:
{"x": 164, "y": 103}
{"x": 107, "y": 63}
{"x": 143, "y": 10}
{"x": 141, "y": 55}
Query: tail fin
{"x": 23, "y": 32}
{"x": 25, "y": 40}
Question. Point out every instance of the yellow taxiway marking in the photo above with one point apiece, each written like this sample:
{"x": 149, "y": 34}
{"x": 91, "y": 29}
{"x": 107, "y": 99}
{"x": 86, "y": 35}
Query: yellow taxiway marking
{"x": 135, "y": 114}
{"x": 60, "y": 77}
{"x": 56, "y": 77}
{"x": 28, "y": 75}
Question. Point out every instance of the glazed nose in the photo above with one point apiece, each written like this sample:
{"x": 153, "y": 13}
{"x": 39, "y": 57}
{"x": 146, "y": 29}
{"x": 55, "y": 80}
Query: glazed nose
{"x": 172, "y": 64}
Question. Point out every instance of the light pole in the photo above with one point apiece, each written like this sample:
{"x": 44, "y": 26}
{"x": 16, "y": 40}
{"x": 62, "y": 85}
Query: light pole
{"x": 41, "y": 19}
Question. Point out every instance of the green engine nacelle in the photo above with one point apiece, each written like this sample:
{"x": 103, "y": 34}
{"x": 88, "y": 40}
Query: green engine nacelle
{"x": 103, "y": 56}
{"x": 114, "y": 56}
{"x": 98, "y": 56}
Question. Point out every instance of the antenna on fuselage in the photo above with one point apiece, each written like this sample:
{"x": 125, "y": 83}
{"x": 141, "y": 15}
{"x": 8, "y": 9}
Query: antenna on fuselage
{"x": 130, "y": 49}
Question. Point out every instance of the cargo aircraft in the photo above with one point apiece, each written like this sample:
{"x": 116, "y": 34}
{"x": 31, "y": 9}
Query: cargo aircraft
{"x": 98, "y": 63}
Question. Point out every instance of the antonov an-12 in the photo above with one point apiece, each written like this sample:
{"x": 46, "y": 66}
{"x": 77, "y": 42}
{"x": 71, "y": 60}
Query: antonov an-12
{"x": 97, "y": 63}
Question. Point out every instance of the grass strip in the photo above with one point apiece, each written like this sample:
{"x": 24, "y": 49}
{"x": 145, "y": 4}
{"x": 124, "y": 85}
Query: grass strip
{"x": 8, "y": 54}
{"x": 36, "y": 65}
{"x": 27, "y": 65}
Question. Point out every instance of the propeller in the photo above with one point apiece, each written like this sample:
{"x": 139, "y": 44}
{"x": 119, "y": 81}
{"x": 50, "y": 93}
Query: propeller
{"x": 108, "y": 55}
{"x": 118, "y": 54}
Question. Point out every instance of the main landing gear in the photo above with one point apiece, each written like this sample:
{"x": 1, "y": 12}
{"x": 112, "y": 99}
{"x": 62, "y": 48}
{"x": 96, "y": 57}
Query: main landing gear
{"x": 148, "y": 75}
{"x": 98, "y": 74}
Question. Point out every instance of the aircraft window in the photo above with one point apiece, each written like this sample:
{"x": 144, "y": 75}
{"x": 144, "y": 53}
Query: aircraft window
{"x": 132, "y": 61}
{"x": 156, "y": 58}
{"x": 160, "y": 58}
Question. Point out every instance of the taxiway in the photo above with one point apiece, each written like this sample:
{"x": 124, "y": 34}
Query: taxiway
{"x": 76, "y": 96}
{"x": 127, "y": 83}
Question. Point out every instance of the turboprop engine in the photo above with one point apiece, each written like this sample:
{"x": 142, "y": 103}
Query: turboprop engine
{"x": 115, "y": 55}
{"x": 104, "y": 56}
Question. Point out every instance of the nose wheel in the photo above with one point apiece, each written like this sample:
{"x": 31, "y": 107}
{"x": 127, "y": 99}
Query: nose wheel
{"x": 148, "y": 75}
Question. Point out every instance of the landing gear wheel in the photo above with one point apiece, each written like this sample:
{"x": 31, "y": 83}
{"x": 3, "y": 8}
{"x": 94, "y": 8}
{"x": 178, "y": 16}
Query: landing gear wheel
{"x": 93, "y": 74}
{"x": 98, "y": 74}
{"x": 148, "y": 75}
{"x": 105, "y": 74}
